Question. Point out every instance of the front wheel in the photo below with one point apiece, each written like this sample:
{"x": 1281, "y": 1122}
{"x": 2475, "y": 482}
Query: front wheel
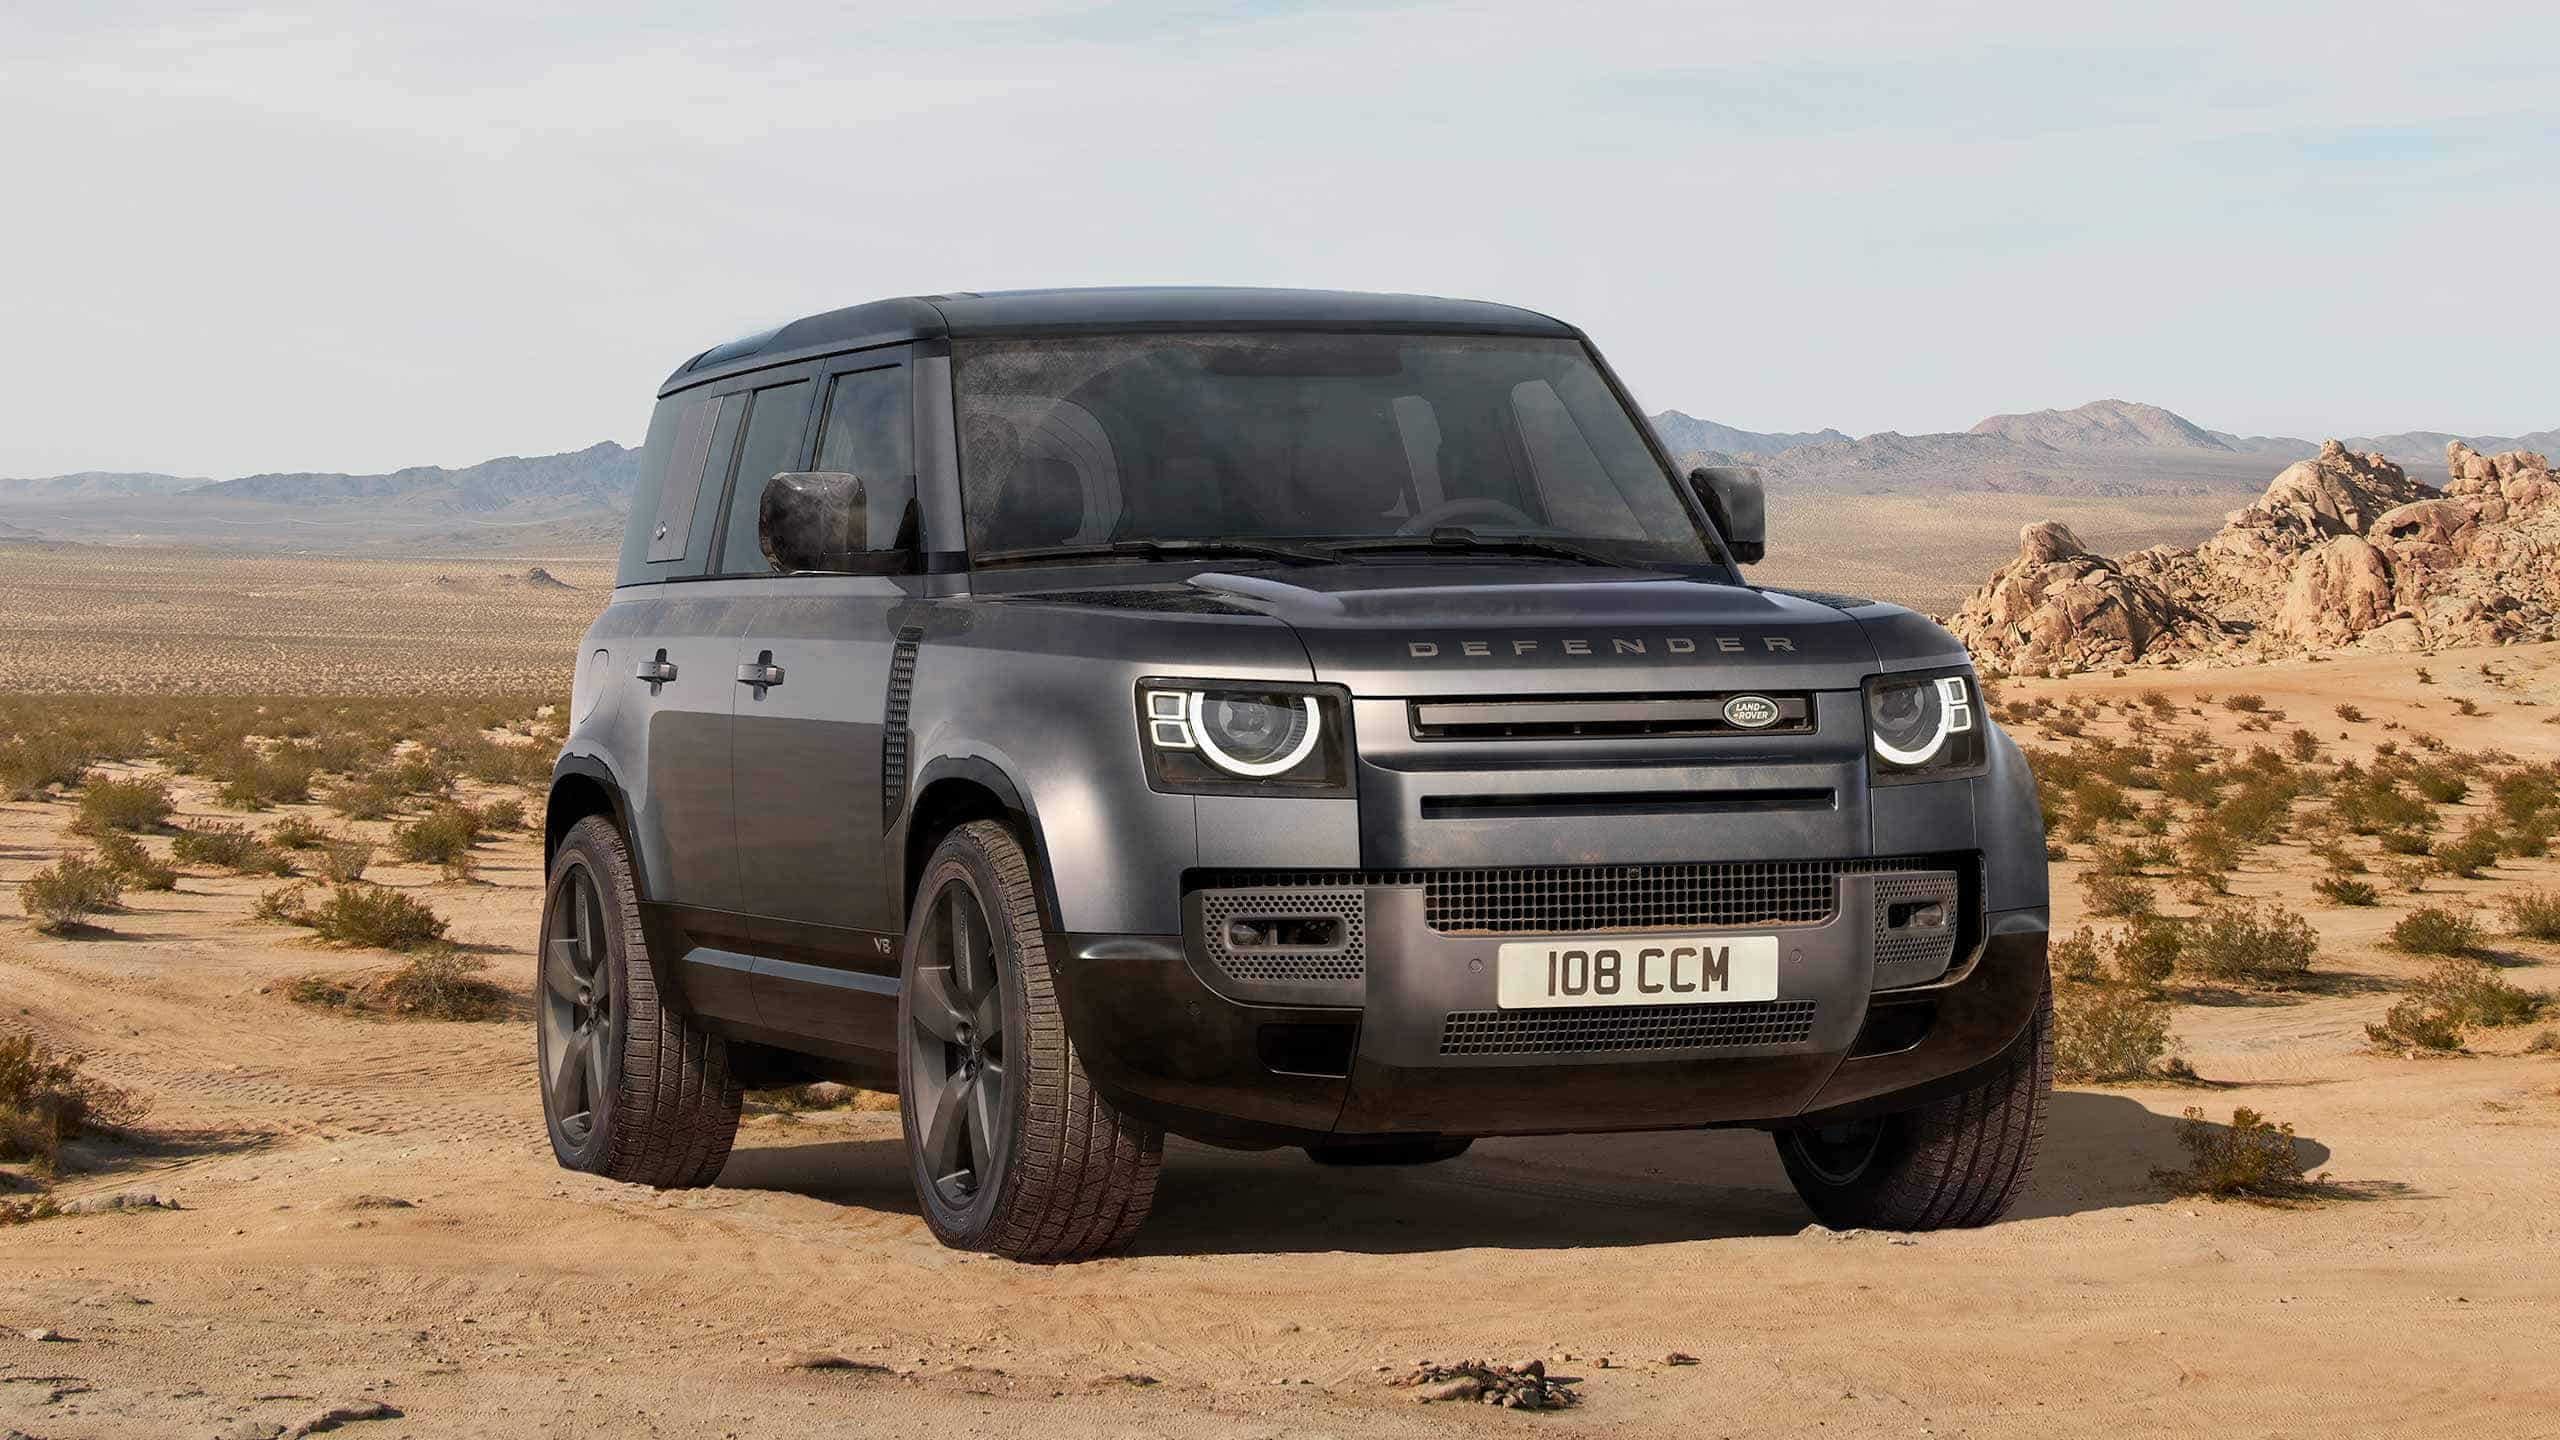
{"x": 1012, "y": 1150}
{"x": 1955, "y": 1162}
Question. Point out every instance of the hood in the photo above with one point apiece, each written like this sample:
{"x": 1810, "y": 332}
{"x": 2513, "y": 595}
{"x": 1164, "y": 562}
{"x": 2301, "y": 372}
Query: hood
{"x": 1449, "y": 629}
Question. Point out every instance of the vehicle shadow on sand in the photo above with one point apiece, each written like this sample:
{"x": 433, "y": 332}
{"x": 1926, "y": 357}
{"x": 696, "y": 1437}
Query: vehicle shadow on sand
{"x": 1535, "y": 1194}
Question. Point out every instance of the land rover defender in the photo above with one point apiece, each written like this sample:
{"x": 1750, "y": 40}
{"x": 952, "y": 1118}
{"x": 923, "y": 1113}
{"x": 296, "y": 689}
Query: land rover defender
{"x": 1276, "y": 718}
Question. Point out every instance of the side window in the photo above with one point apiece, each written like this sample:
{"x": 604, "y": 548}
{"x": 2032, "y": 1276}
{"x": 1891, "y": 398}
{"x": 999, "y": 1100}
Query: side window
{"x": 868, "y": 434}
{"x": 776, "y": 417}
{"x": 687, "y": 458}
{"x": 664, "y": 495}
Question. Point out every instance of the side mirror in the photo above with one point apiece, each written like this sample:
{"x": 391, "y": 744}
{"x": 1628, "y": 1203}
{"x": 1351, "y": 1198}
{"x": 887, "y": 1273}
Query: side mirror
{"x": 1740, "y": 508}
{"x": 812, "y": 520}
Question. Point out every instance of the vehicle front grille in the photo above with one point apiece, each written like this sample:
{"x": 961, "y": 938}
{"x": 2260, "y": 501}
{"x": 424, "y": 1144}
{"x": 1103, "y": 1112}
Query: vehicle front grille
{"x": 1342, "y": 963}
{"x": 1630, "y": 1027}
{"x": 1572, "y": 899}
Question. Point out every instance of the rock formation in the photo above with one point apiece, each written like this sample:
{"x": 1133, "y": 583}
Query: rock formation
{"x": 2343, "y": 550}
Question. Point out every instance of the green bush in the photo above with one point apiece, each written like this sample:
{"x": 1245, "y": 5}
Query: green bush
{"x": 2441, "y": 785}
{"x": 2534, "y": 914}
{"x": 2146, "y": 954}
{"x": 2350, "y": 714}
{"x": 2248, "y": 943}
{"x": 2466, "y": 857}
{"x": 299, "y": 833}
{"x": 2407, "y": 842}
{"x": 250, "y": 781}
{"x": 34, "y": 763}
{"x": 284, "y": 905}
{"x": 2244, "y": 703}
{"x": 2341, "y": 890}
{"x": 141, "y": 869}
{"x": 2436, "y": 930}
{"x": 108, "y": 806}
{"x": 502, "y": 815}
{"x": 2412, "y": 1025}
{"x": 2252, "y": 1158}
{"x": 440, "y": 837}
{"x": 64, "y": 894}
{"x": 371, "y": 915}
{"x": 230, "y": 847}
{"x": 344, "y": 862}
{"x": 443, "y": 986}
{"x": 364, "y": 800}
{"x": 2477, "y": 996}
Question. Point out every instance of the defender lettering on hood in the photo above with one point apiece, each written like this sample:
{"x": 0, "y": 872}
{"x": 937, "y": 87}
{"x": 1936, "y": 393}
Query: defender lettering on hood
{"x": 1685, "y": 645}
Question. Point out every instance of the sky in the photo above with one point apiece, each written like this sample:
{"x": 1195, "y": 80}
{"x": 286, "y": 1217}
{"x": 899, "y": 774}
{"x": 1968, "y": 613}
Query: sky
{"x": 366, "y": 236}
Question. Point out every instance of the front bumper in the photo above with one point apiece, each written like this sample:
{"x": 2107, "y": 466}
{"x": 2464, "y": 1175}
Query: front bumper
{"x": 1405, "y": 1036}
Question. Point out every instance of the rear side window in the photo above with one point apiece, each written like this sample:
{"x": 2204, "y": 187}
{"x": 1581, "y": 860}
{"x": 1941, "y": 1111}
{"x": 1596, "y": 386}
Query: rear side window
{"x": 666, "y": 498}
{"x": 869, "y": 433}
{"x": 776, "y": 420}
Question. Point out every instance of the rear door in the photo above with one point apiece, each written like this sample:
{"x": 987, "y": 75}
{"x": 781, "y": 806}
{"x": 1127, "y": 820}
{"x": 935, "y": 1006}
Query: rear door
{"x": 812, "y": 741}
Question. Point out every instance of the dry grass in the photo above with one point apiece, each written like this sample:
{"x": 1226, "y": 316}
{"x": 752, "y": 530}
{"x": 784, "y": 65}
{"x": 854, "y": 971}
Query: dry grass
{"x": 2253, "y": 1158}
{"x": 2436, "y": 930}
{"x": 63, "y": 895}
{"x": 123, "y": 807}
{"x": 2254, "y": 943}
{"x": 438, "y": 985}
{"x": 45, "y": 1100}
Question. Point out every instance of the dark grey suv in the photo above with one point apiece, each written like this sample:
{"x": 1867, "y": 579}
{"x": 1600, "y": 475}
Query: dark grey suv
{"x": 1280, "y": 718}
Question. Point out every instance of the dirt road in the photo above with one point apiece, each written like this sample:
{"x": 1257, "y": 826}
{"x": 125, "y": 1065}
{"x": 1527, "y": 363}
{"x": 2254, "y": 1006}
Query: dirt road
{"x": 371, "y": 1213}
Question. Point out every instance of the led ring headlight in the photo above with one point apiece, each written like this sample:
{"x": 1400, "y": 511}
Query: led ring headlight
{"x": 1253, "y": 736}
{"x": 1943, "y": 710}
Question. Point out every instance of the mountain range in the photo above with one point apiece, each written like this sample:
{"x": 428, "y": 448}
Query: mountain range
{"x": 575, "y": 499}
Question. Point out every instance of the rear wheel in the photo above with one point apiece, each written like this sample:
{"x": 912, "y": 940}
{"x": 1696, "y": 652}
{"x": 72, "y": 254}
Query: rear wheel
{"x": 630, "y": 1089}
{"x": 1392, "y": 1152}
{"x": 1954, "y": 1162}
{"x": 1012, "y": 1150}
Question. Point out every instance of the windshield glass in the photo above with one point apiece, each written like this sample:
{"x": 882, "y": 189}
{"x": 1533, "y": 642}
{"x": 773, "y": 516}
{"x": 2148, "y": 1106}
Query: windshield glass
{"x": 1091, "y": 440}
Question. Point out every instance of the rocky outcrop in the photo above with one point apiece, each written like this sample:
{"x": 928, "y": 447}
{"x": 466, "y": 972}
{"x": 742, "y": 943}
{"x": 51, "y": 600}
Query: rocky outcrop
{"x": 2342, "y": 550}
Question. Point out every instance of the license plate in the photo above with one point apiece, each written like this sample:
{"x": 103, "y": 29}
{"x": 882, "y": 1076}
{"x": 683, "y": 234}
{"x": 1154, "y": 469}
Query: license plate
{"x": 1637, "y": 970}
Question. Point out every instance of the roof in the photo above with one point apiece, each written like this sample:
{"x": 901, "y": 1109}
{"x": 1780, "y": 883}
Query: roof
{"x": 1038, "y": 312}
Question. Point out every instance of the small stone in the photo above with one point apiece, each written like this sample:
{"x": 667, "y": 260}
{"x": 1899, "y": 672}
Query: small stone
{"x": 49, "y": 1337}
{"x": 1679, "y": 1357}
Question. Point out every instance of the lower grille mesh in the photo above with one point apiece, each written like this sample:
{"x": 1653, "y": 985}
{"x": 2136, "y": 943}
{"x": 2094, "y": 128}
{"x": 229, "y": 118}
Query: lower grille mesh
{"x": 1345, "y": 963}
{"x": 1630, "y": 1027}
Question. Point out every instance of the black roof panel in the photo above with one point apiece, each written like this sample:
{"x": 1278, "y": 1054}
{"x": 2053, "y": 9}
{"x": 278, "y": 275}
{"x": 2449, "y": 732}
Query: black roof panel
{"x": 1032, "y": 312}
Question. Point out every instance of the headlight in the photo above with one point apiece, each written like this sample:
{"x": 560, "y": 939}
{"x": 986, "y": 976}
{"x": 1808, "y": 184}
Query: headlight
{"x": 1923, "y": 727}
{"x": 1251, "y": 739}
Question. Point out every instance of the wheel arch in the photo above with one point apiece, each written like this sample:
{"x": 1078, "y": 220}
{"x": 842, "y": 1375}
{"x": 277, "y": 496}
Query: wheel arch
{"x": 950, "y": 792}
{"x": 584, "y": 786}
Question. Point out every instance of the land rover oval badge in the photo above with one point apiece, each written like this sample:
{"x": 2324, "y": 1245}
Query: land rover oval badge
{"x": 1751, "y": 712}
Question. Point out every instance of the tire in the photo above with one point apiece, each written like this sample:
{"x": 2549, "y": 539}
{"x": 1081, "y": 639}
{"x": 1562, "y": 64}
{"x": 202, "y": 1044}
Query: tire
{"x": 1393, "y": 1152}
{"x": 1953, "y": 1163}
{"x": 1012, "y": 1150}
{"x": 630, "y": 1090}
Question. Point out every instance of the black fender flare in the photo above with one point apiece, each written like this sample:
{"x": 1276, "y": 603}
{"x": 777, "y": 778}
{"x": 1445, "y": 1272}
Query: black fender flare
{"x": 1018, "y": 807}
{"x": 664, "y": 943}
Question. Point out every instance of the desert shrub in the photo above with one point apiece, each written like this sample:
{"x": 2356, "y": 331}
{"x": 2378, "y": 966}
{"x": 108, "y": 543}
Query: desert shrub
{"x": 2210, "y": 849}
{"x": 64, "y": 894}
{"x": 2340, "y": 860}
{"x": 250, "y": 781}
{"x": 2080, "y": 956}
{"x": 2244, "y": 703}
{"x": 2128, "y": 859}
{"x": 108, "y": 806}
{"x": 2466, "y": 856}
{"x": 2100, "y": 801}
{"x": 2304, "y": 745}
{"x": 2527, "y": 841}
{"x": 2412, "y": 1025}
{"x": 443, "y": 985}
{"x": 326, "y": 992}
{"x": 298, "y": 833}
{"x": 2146, "y": 954}
{"x": 284, "y": 905}
{"x": 45, "y": 1099}
{"x": 230, "y": 847}
{"x": 2465, "y": 705}
{"x": 2344, "y": 890}
{"x": 2545, "y": 1043}
{"x": 2250, "y": 943}
{"x": 2406, "y": 842}
{"x": 2523, "y": 796}
{"x": 2256, "y": 812}
{"x": 2350, "y": 714}
{"x": 2534, "y": 914}
{"x": 2110, "y": 1032}
{"x": 502, "y": 815}
{"x": 344, "y": 861}
{"x": 2423, "y": 677}
{"x": 2253, "y": 1158}
{"x": 2410, "y": 876}
{"x": 141, "y": 869}
{"x": 2476, "y": 995}
{"x": 371, "y": 915}
{"x": 2120, "y": 895}
{"x": 2436, "y": 930}
{"x": 33, "y": 763}
{"x": 364, "y": 799}
{"x": 2440, "y": 785}
{"x": 418, "y": 774}
{"x": 439, "y": 837}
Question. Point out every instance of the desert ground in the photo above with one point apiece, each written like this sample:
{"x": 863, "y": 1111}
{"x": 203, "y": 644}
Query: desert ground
{"x": 368, "y": 1211}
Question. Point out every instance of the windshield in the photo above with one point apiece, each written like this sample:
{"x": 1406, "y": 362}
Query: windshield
{"x": 1096, "y": 440}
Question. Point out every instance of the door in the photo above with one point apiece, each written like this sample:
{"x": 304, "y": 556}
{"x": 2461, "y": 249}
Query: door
{"x": 810, "y": 739}
{"x": 679, "y": 668}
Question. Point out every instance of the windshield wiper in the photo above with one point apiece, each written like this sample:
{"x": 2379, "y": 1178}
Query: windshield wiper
{"x": 1458, "y": 540}
{"x": 1155, "y": 550}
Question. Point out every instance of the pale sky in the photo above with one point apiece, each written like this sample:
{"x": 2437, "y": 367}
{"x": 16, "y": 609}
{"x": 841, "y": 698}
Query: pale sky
{"x": 367, "y": 236}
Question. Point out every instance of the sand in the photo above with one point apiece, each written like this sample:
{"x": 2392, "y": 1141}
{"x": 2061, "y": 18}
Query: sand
{"x": 502, "y": 1296}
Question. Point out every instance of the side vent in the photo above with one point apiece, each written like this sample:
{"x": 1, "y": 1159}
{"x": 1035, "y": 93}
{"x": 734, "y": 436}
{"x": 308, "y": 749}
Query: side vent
{"x": 893, "y": 728}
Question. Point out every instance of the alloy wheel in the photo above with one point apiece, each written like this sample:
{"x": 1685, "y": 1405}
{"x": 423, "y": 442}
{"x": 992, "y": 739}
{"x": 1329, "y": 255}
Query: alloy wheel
{"x": 579, "y": 1024}
{"x": 961, "y": 1073}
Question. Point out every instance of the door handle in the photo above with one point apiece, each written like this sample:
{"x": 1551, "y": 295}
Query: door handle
{"x": 656, "y": 672}
{"x": 762, "y": 673}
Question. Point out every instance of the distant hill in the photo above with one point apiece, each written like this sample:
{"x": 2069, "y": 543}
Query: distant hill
{"x": 2103, "y": 425}
{"x": 1682, "y": 433}
{"x": 601, "y": 474}
{"x": 92, "y": 484}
